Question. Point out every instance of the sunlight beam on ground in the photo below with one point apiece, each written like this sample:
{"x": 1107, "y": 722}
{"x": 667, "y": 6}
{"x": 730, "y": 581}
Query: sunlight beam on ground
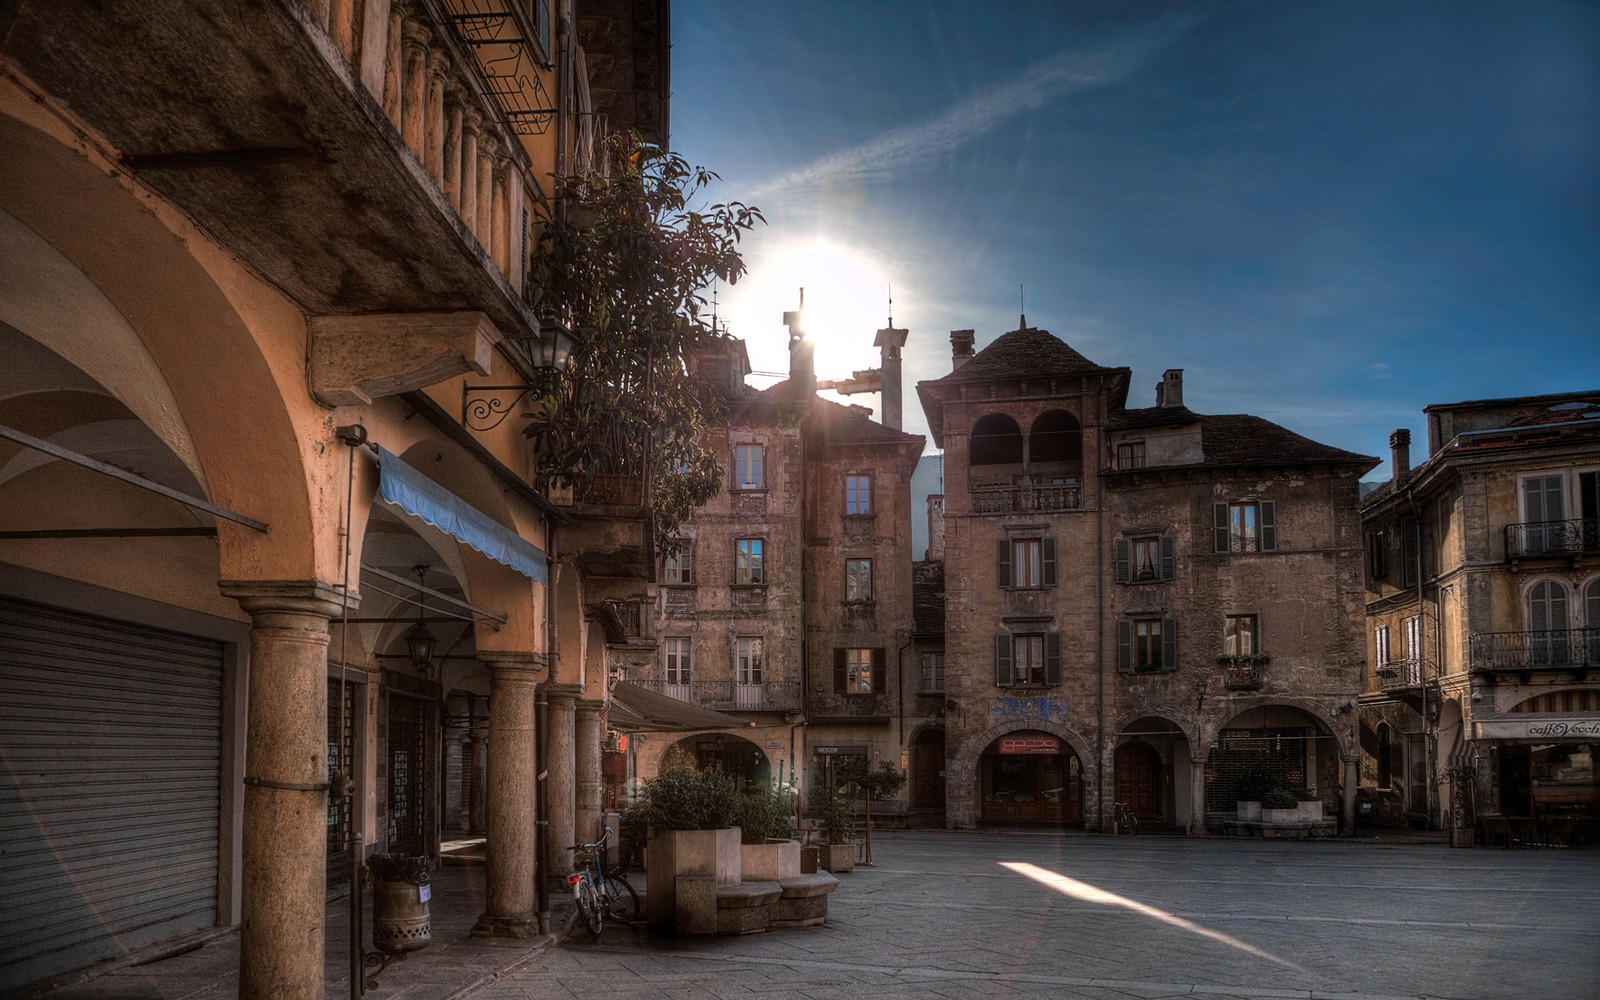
{"x": 1090, "y": 894}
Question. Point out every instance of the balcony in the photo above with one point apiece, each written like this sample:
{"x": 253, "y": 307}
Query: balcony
{"x": 1242, "y": 674}
{"x": 732, "y": 696}
{"x": 1553, "y": 540}
{"x": 1402, "y": 675}
{"x": 612, "y": 489}
{"x": 1023, "y": 498}
{"x": 1575, "y": 650}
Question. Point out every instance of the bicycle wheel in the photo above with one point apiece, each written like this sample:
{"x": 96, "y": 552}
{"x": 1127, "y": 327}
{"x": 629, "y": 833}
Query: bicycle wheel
{"x": 624, "y": 902}
{"x": 1133, "y": 825}
{"x": 589, "y": 908}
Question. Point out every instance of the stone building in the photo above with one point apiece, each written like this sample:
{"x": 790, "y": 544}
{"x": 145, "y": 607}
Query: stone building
{"x": 257, "y": 256}
{"x": 1141, "y": 604}
{"x": 1483, "y": 612}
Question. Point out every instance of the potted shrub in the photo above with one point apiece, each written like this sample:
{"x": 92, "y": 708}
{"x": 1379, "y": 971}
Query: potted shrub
{"x": 767, "y": 853}
{"x": 691, "y": 817}
{"x": 1307, "y": 802}
{"x": 1252, "y": 787}
{"x": 837, "y": 825}
{"x": 879, "y": 784}
{"x": 1279, "y": 805}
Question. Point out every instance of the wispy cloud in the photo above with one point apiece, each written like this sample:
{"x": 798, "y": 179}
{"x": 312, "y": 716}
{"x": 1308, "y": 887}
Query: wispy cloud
{"x": 1040, "y": 85}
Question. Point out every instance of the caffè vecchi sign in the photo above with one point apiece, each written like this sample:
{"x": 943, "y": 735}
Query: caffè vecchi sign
{"x": 1539, "y": 727}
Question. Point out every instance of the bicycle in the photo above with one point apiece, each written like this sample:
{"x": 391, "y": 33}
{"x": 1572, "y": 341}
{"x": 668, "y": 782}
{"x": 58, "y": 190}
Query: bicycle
{"x": 597, "y": 894}
{"x": 1125, "y": 821}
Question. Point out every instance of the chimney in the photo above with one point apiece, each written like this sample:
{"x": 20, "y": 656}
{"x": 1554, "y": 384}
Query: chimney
{"x": 960, "y": 348}
{"x": 891, "y": 340}
{"x": 1400, "y": 454}
{"x": 802, "y": 353}
{"x": 1170, "y": 391}
{"x": 935, "y": 527}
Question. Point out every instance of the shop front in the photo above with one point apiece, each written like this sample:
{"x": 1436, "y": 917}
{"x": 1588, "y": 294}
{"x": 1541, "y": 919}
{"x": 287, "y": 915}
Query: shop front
{"x": 1542, "y": 766}
{"x": 1030, "y": 777}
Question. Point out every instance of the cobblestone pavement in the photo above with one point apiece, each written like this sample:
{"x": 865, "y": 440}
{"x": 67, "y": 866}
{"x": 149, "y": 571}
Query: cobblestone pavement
{"x": 968, "y": 915}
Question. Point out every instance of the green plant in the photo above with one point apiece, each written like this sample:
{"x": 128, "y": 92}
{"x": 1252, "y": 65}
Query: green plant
{"x": 835, "y": 819}
{"x": 1279, "y": 798}
{"x": 1303, "y": 794}
{"x": 763, "y": 813}
{"x": 679, "y": 799}
{"x": 1255, "y": 783}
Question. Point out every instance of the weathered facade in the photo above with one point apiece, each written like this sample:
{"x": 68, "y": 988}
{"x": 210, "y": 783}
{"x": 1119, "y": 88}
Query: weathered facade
{"x": 1483, "y": 608}
{"x": 1140, "y": 604}
{"x": 256, "y": 254}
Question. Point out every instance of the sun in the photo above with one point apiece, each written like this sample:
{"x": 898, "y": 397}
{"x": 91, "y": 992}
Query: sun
{"x": 846, "y": 302}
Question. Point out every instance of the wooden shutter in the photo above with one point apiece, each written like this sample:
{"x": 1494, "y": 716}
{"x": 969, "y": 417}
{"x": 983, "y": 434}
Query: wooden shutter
{"x": 1409, "y": 556}
{"x": 1122, "y": 560}
{"x": 1169, "y": 643}
{"x": 1219, "y": 527}
{"x": 1048, "y": 548}
{"x": 1002, "y": 660}
{"x": 1269, "y": 526}
{"x": 1169, "y": 558}
{"x": 878, "y": 680}
{"x": 1125, "y": 646}
{"x": 1052, "y": 659}
{"x": 841, "y": 677}
{"x": 1002, "y": 562}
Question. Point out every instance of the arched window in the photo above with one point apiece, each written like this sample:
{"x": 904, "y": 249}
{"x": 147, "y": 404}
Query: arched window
{"x": 1549, "y": 629}
{"x": 996, "y": 440}
{"x": 1591, "y": 619}
{"x": 1055, "y": 447}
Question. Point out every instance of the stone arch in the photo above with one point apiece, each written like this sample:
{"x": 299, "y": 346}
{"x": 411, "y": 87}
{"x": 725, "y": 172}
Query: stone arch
{"x": 962, "y": 779}
{"x": 995, "y": 440}
{"x": 1055, "y": 445}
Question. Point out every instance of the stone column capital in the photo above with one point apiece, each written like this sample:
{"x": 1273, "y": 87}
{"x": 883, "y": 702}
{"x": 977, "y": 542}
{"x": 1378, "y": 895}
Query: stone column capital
{"x": 515, "y": 665}
{"x": 438, "y": 63}
{"x": 471, "y": 115}
{"x": 415, "y": 33}
{"x": 585, "y": 706}
{"x": 301, "y": 597}
{"x": 564, "y": 692}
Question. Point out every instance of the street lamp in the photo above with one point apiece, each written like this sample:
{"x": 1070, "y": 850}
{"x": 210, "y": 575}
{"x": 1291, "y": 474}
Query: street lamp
{"x": 551, "y": 353}
{"x": 419, "y": 641}
{"x": 1200, "y": 693}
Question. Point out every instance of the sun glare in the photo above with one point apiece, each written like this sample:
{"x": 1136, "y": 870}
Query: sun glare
{"x": 846, "y": 302}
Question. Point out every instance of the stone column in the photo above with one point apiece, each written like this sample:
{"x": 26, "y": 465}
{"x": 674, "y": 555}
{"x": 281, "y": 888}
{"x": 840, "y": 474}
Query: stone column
{"x": 479, "y": 748}
{"x": 457, "y": 760}
{"x": 285, "y": 789}
{"x": 393, "y": 66}
{"x": 433, "y": 138}
{"x": 1197, "y": 791}
{"x": 488, "y": 149}
{"x": 560, "y": 791}
{"x": 471, "y": 118}
{"x": 414, "y": 83}
{"x": 1347, "y": 808}
{"x": 586, "y": 770}
{"x": 452, "y": 148}
{"x": 509, "y": 897}
{"x": 500, "y": 221}
{"x": 342, "y": 28}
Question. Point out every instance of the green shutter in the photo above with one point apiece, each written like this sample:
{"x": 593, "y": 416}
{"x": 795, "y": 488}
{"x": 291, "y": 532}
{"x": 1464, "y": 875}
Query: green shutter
{"x": 1002, "y": 562}
{"x": 1219, "y": 527}
{"x": 1169, "y": 559}
{"x": 1169, "y": 643}
{"x": 1125, "y": 646}
{"x": 1269, "y": 526}
{"x": 1048, "y": 547}
{"x": 1122, "y": 560}
{"x": 1002, "y": 660}
{"x": 841, "y": 679}
{"x": 879, "y": 684}
{"x": 1052, "y": 659}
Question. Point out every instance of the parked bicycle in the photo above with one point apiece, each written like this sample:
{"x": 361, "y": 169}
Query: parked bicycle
{"x": 1125, "y": 821}
{"x": 600, "y": 894}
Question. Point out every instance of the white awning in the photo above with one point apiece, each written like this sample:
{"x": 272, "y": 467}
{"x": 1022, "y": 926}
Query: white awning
{"x": 1547, "y": 728}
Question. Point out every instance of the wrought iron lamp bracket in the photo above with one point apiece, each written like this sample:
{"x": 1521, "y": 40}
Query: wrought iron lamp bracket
{"x": 490, "y": 410}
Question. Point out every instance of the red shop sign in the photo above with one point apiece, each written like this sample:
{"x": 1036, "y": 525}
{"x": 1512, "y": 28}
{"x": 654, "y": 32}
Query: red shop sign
{"x": 1030, "y": 744}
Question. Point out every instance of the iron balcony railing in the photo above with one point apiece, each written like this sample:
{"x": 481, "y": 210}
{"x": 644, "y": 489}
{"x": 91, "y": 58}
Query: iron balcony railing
{"x": 733, "y": 696}
{"x": 1401, "y": 675}
{"x": 1553, "y": 649}
{"x": 1024, "y": 498}
{"x": 1536, "y": 539}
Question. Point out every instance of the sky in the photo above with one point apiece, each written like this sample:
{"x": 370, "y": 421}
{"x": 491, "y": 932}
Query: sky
{"x": 1328, "y": 214}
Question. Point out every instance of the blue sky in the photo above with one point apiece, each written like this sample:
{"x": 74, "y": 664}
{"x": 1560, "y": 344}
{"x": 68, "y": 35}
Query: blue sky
{"x": 1329, "y": 214}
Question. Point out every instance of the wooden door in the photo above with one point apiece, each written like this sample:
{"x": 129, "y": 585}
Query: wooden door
{"x": 1138, "y": 771}
{"x": 927, "y": 776}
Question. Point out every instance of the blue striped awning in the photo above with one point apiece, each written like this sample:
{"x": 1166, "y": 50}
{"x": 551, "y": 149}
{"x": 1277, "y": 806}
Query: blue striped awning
{"x": 419, "y": 496}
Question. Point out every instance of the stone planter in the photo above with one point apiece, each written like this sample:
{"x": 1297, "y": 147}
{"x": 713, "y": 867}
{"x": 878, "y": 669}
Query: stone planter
{"x": 708, "y": 854}
{"x": 1249, "y": 811}
{"x": 1463, "y": 838}
{"x": 1304, "y": 812}
{"x": 837, "y": 857}
{"x": 773, "y": 861}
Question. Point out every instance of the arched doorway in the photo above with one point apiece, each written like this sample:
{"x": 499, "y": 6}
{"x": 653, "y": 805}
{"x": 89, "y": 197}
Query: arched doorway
{"x": 1139, "y": 781}
{"x": 1277, "y": 744}
{"x": 927, "y": 769}
{"x": 735, "y": 756}
{"x": 1030, "y": 777}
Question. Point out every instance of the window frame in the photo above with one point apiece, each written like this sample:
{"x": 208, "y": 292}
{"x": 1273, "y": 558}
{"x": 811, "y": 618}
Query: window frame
{"x": 749, "y": 458}
{"x": 1382, "y": 655}
{"x": 749, "y": 562}
{"x": 848, "y": 669}
{"x": 854, "y": 484}
{"x": 1123, "y": 558}
{"x": 1229, "y": 535}
{"x": 677, "y": 567}
{"x": 1006, "y": 561}
{"x": 677, "y": 659}
{"x": 748, "y": 668}
{"x": 932, "y": 673}
{"x": 1043, "y": 671}
{"x": 1239, "y": 632}
{"x": 853, "y": 569}
{"x": 1130, "y": 455}
{"x": 1377, "y": 555}
{"x": 1127, "y": 662}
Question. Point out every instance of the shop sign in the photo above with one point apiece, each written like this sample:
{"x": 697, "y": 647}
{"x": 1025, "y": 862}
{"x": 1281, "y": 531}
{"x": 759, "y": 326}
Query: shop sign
{"x": 1030, "y": 744}
{"x": 774, "y": 744}
{"x": 1537, "y": 727}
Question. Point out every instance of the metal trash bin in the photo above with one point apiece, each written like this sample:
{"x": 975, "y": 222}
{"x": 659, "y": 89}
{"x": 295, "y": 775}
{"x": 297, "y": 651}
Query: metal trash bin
{"x": 400, "y": 892}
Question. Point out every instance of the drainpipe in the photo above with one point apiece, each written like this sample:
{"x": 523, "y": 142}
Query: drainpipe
{"x": 1099, "y": 646}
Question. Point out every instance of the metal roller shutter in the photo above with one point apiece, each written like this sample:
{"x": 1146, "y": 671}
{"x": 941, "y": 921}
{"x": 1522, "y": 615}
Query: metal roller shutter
{"x": 110, "y": 767}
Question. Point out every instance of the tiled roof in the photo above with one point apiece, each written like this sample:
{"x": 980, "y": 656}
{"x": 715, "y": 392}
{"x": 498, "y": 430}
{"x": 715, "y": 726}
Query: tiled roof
{"x": 836, "y": 423}
{"x": 1029, "y": 352}
{"x": 1239, "y": 439}
{"x": 1155, "y": 416}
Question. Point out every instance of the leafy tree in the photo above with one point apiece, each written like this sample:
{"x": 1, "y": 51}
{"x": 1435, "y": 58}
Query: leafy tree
{"x": 626, "y": 267}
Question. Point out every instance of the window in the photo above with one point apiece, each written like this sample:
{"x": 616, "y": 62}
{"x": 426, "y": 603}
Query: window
{"x": 1377, "y": 555}
{"x": 1240, "y": 636}
{"x": 858, "y": 670}
{"x": 933, "y": 671}
{"x": 858, "y": 494}
{"x": 749, "y": 467}
{"x": 1025, "y": 563}
{"x": 1413, "y": 628}
{"x": 1147, "y": 645}
{"x": 1144, "y": 559}
{"x": 1409, "y": 553}
{"x": 678, "y": 567}
{"x": 1245, "y": 526}
{"x": 1033, "y": 660}
{"x": 1547, "y": 622}
{"x": 747, "y": 561}
{"x": 858, "y": 580}
{"x": 1130, "y": 455}
{"x": 1380, "y": 648}
{"x": 676, "y": 660}
{"x": 748, "y": 659}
